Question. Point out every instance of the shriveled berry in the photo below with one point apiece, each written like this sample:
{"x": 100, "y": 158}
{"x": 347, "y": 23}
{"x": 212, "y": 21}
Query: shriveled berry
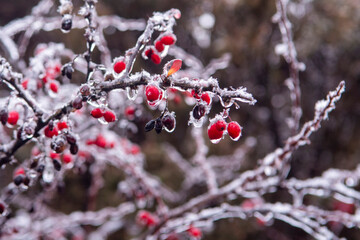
{"x": 70, "y": 138}
{"x": 58, "y": 144}
{"x": 119, "y": 67}
{"x": 13, "y": 117}
{"x": 66, "y": 24}
{"x": 4, "y": 116}
{"x": 150, "y": 126}
{"x": 169, "y": 122}
{"x": 109, "y": 116}
{"x": 155, "y": 58}
{"x": 158, "y": 125}
{"x": 67, "y": 71}
{"x": 40, "y": 168}
{"x": 57, "y": 164}
{"x": 54, "y": 87}
{"x": 220, "y": 125}
{"x": 74, "y": 148}
{"x": 152, "y": 93}
{"x": 234, "y": 130}
{"x": 167, "y": 40}
{"x": 19, "y": 179}
{"x": 77, "y": 103}
{"x": 159, "y": 46}
{"x": 97, "y": 113}
{"x": 214, "y": 133}
{"x": 85, "y": 90}
{"x": 199, "y": 111}
{"x": 2, "y": 208}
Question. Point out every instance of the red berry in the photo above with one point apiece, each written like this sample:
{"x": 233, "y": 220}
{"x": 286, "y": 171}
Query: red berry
{"x": 155, "y": 58}
{"x": 50, "y": 133}
{"x": 54, "y": 155}
{"x": 97, "y": 113}
{"x": 206, "y": 98}
{"x": 214, "y": 133}
{"x": 146, "y": 218}
{"x": 54, "y": 87}
{"x": 13, "y": 117}
{"x": 100, "y": 141}
{"x": 19, "y": 171}
{"x": 159, "y": 46}
{"x": 194, "y": 232}
{"x": 220, "y": 125}
{"x": 129, "y": 111}
{"x": 135, "y": 149}
{"x": 149, "y": 52}
{"x": 119, "y": 67}
{"x": 62, "y": 125}
{"x": 25, "y": 83}
{"x": 57, "y": 68}
{"x": 67, "y": 158}
{"x": 109, "y": 116}
{"x": 234, "y": 130}
{"x": 167, "y": 40}
{"x": 152, "y": 93}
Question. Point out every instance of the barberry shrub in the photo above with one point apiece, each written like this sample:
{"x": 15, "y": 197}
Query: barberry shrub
{"x": 135, "y": 138}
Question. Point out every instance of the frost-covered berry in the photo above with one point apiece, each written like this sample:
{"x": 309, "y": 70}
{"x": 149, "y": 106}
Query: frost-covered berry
{"x": 57, "y": 164}
{"x": 13, "y": 117}
{"x": 50, "y": 133}
{"x": 155, "y": 58}
{"x": 168, "y": 40}
{"x": 77, "y": 103}
{"x": 97, "y": 113}
{"x": 67, "y": 71}
{"x": 54, "y": 87}
{"x": 214, "y": 133}
{"x": 169, "y": 122}
{"x": 66, "y": 23}
{"x": 220, "y": 125}
{"x": 25, "y": 83}
{"x": 150, "y": 125}
{"x": 19, "y": 176}
{"x": 74, "y": 148}
{"x": 100, "y": 141}
{"x": 85, "y": 90}
{"x": 234, "y": 130}
{"x": 62, "y": 125}
{"x": 206, "y": 98}
{"x": 148, "y": 53}
{"x": 159, "y": 46}
{"x": 194, "y": 232}
{"x": 67, "y": 158}
{"x": 152, "y": 93}
{"x": 147, "y": 219}
{"x": 158, "y": 126}
{"x": 109, "y": 116}
{"x": 198, "y": 111}
{"x": 119, "y": 67}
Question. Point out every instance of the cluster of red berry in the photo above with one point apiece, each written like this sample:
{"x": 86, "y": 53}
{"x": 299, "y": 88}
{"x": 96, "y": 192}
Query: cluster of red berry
{"x": 155, "y": 52}
{"x": 217, "y": 130}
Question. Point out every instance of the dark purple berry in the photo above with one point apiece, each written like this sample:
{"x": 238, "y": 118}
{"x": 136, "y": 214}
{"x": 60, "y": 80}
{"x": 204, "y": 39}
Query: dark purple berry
{"x": 57, "y": 164}
{"x": 150, "y": 126}
{"x": 18, "y": 179}
{"x": 74, "y": 149}
{"x": 77, "y": 103}
{"x": 158, "y": 126}
{"x": 4, "y": 116}
{"x": 169, "y": 122}
{"x": 199, "y": 111}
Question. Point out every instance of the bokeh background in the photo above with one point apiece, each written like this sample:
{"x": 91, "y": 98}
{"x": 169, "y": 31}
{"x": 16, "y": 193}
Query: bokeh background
{"x": 327, "y": 38}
